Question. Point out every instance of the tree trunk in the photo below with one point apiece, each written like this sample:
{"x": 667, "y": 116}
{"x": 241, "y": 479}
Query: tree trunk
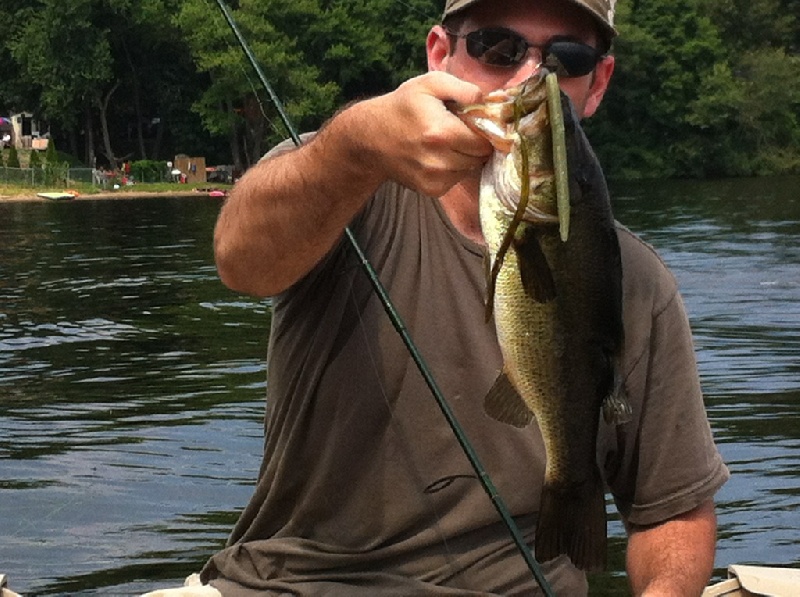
{"x": 137, "y": 104}
{"x": 159, "y": 138}
{"x": 254, "y": 128}
{"x": 103, "y": 104}
{"x": 91, "y": 158}
{"x": 236, "y": 153}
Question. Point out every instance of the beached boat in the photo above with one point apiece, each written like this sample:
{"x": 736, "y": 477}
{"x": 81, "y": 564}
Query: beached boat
{"x": 58, "y": 196}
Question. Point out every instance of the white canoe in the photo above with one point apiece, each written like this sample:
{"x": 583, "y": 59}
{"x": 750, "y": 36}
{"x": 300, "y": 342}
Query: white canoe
{"x": 743, "y": 581}
{"x": 749, "y": 581}
{"x": 56, "y": 196}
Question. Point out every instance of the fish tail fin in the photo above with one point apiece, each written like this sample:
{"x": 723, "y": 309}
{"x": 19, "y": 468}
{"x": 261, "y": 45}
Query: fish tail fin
{"x": 573, "y": 522}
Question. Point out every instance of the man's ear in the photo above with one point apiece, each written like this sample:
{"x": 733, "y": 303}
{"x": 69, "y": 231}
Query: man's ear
{"x": 602, "y": 76}
{"x": 438, "y": 48}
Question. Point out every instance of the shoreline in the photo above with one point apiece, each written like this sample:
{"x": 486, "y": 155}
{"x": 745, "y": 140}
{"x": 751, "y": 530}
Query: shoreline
{"x": 25, "y": 197}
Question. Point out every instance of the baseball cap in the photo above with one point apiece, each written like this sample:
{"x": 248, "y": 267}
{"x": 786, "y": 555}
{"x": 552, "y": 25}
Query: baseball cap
{"x": 602, "y": 10}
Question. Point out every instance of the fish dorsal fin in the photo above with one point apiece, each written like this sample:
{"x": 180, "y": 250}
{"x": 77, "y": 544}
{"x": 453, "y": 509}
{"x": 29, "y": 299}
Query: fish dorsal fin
{"x": 503, "y": 403}
{"x": 534, "y": 271}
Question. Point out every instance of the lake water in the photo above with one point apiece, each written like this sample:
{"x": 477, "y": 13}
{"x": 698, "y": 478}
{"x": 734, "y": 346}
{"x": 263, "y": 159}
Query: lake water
{"x": 132, "y": 381}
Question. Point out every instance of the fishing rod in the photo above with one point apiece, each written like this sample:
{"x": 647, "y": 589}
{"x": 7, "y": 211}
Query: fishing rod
{"x": 397, "y": 322}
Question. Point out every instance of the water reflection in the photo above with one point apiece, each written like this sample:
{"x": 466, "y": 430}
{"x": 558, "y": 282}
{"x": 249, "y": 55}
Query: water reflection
{"x": 132, "y": 381}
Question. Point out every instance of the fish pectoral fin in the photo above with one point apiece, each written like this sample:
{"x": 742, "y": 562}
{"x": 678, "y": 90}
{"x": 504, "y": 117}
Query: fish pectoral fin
{"x": 616, "y": 407}
{"x": 535, "y": 274}
{"x": 504, "y": 404}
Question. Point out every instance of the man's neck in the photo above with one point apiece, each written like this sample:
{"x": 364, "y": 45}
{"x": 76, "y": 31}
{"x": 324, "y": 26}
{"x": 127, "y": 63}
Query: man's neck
{"x": 460, "y": 204}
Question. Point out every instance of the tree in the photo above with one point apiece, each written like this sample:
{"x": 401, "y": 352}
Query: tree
{"x": 232, "y": 104}
{"x": 65, "y": 56}
{"x": 702, "y": 87}
{"x": 158, "y": 78}
{"x": 13, "y": 158}
{"x": 749, "y": 24}
{"x": 317, "y": 54}
{"x": 50, "y": 154}
{"x": 665, "y": 52}
{"x": 759, "y": 93}
{"x": 34, "y": 161}
{"x": 55, "y": 169}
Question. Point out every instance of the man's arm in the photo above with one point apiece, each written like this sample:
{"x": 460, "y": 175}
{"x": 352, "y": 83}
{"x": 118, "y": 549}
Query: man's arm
{"x": 287, "y": 212}
{"x": 673, "y": 558}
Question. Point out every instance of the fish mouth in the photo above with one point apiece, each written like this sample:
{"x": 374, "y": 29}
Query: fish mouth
{"x": 503, "y": 111}
{"x": 527, "y": 119}
{"x": 508, "y": 185}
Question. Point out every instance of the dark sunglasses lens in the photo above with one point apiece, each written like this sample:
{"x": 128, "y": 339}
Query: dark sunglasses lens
{"x": 496, "y": 47}
{"x": 573, "y": 59}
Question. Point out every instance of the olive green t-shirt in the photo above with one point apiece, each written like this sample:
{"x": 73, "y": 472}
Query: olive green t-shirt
{"x": 364, "y": 489}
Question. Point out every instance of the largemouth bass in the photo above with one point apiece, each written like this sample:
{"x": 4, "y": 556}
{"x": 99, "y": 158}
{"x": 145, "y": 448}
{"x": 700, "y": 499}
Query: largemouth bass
{"x": 554, "y": 283}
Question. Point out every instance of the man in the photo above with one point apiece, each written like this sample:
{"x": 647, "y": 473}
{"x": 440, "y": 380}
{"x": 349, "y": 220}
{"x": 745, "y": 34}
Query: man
{"x": 363, "y": 488}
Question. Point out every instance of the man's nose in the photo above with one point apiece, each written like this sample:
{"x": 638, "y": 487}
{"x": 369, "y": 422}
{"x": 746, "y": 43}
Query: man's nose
{"x": 531, "y": 64}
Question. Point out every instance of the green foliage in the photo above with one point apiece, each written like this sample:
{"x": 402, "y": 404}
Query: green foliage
{"x": 149, "y": 170}
{"x": 34, "y": 161}
{"x": 56, "y": 168}
{"x": 754, "y": 101}
{"x": 234, "y": 98}
{"x": 406, "y": 26}
{"x": 702, "y": 87}
{"x": 749, "y": 24}
{"x": 317, "y": 55}
{"x": 50, "y": 154}
{"x": 768, "y": 132}
{"x": 691, "y": 99}
{"x": 13, "y": 158}
{"x": 60, "y": 48}
{"x": 664, "y": 54}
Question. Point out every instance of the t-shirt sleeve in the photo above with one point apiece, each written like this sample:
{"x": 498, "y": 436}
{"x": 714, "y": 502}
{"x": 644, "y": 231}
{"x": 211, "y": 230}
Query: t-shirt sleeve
{"x": 664, "y": 461}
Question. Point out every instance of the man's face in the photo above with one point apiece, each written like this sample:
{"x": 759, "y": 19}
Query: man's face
{"x": 538, "y": 21}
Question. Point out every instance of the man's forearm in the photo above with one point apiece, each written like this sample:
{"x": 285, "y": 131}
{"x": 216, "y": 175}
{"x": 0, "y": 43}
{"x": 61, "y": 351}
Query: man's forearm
{"x": 286, "y": 212}
{"x": 674, "y": 558}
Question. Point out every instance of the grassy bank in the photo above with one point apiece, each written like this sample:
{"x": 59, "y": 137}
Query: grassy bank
{"x": 10, "y": 190}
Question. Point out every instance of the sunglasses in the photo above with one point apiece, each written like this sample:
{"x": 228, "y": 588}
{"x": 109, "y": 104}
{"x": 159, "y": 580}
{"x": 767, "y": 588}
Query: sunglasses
{"x": 498, "y": 46}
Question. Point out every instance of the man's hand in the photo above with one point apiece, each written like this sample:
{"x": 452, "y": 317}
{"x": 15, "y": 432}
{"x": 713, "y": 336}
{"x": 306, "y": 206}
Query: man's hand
{"x": 415, "y": 140}
{"x": 674, "y": 558}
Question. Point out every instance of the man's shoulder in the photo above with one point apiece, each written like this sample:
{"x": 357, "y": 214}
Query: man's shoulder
{"x": 287, "y": 145}
{"x": 645, "y": 275}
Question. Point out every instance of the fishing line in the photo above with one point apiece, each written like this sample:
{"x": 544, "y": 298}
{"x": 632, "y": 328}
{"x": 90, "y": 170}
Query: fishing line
{"x": 399, "y": 428}
{"x": 401, "y": 329}
{"x": 261, "y": 108}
